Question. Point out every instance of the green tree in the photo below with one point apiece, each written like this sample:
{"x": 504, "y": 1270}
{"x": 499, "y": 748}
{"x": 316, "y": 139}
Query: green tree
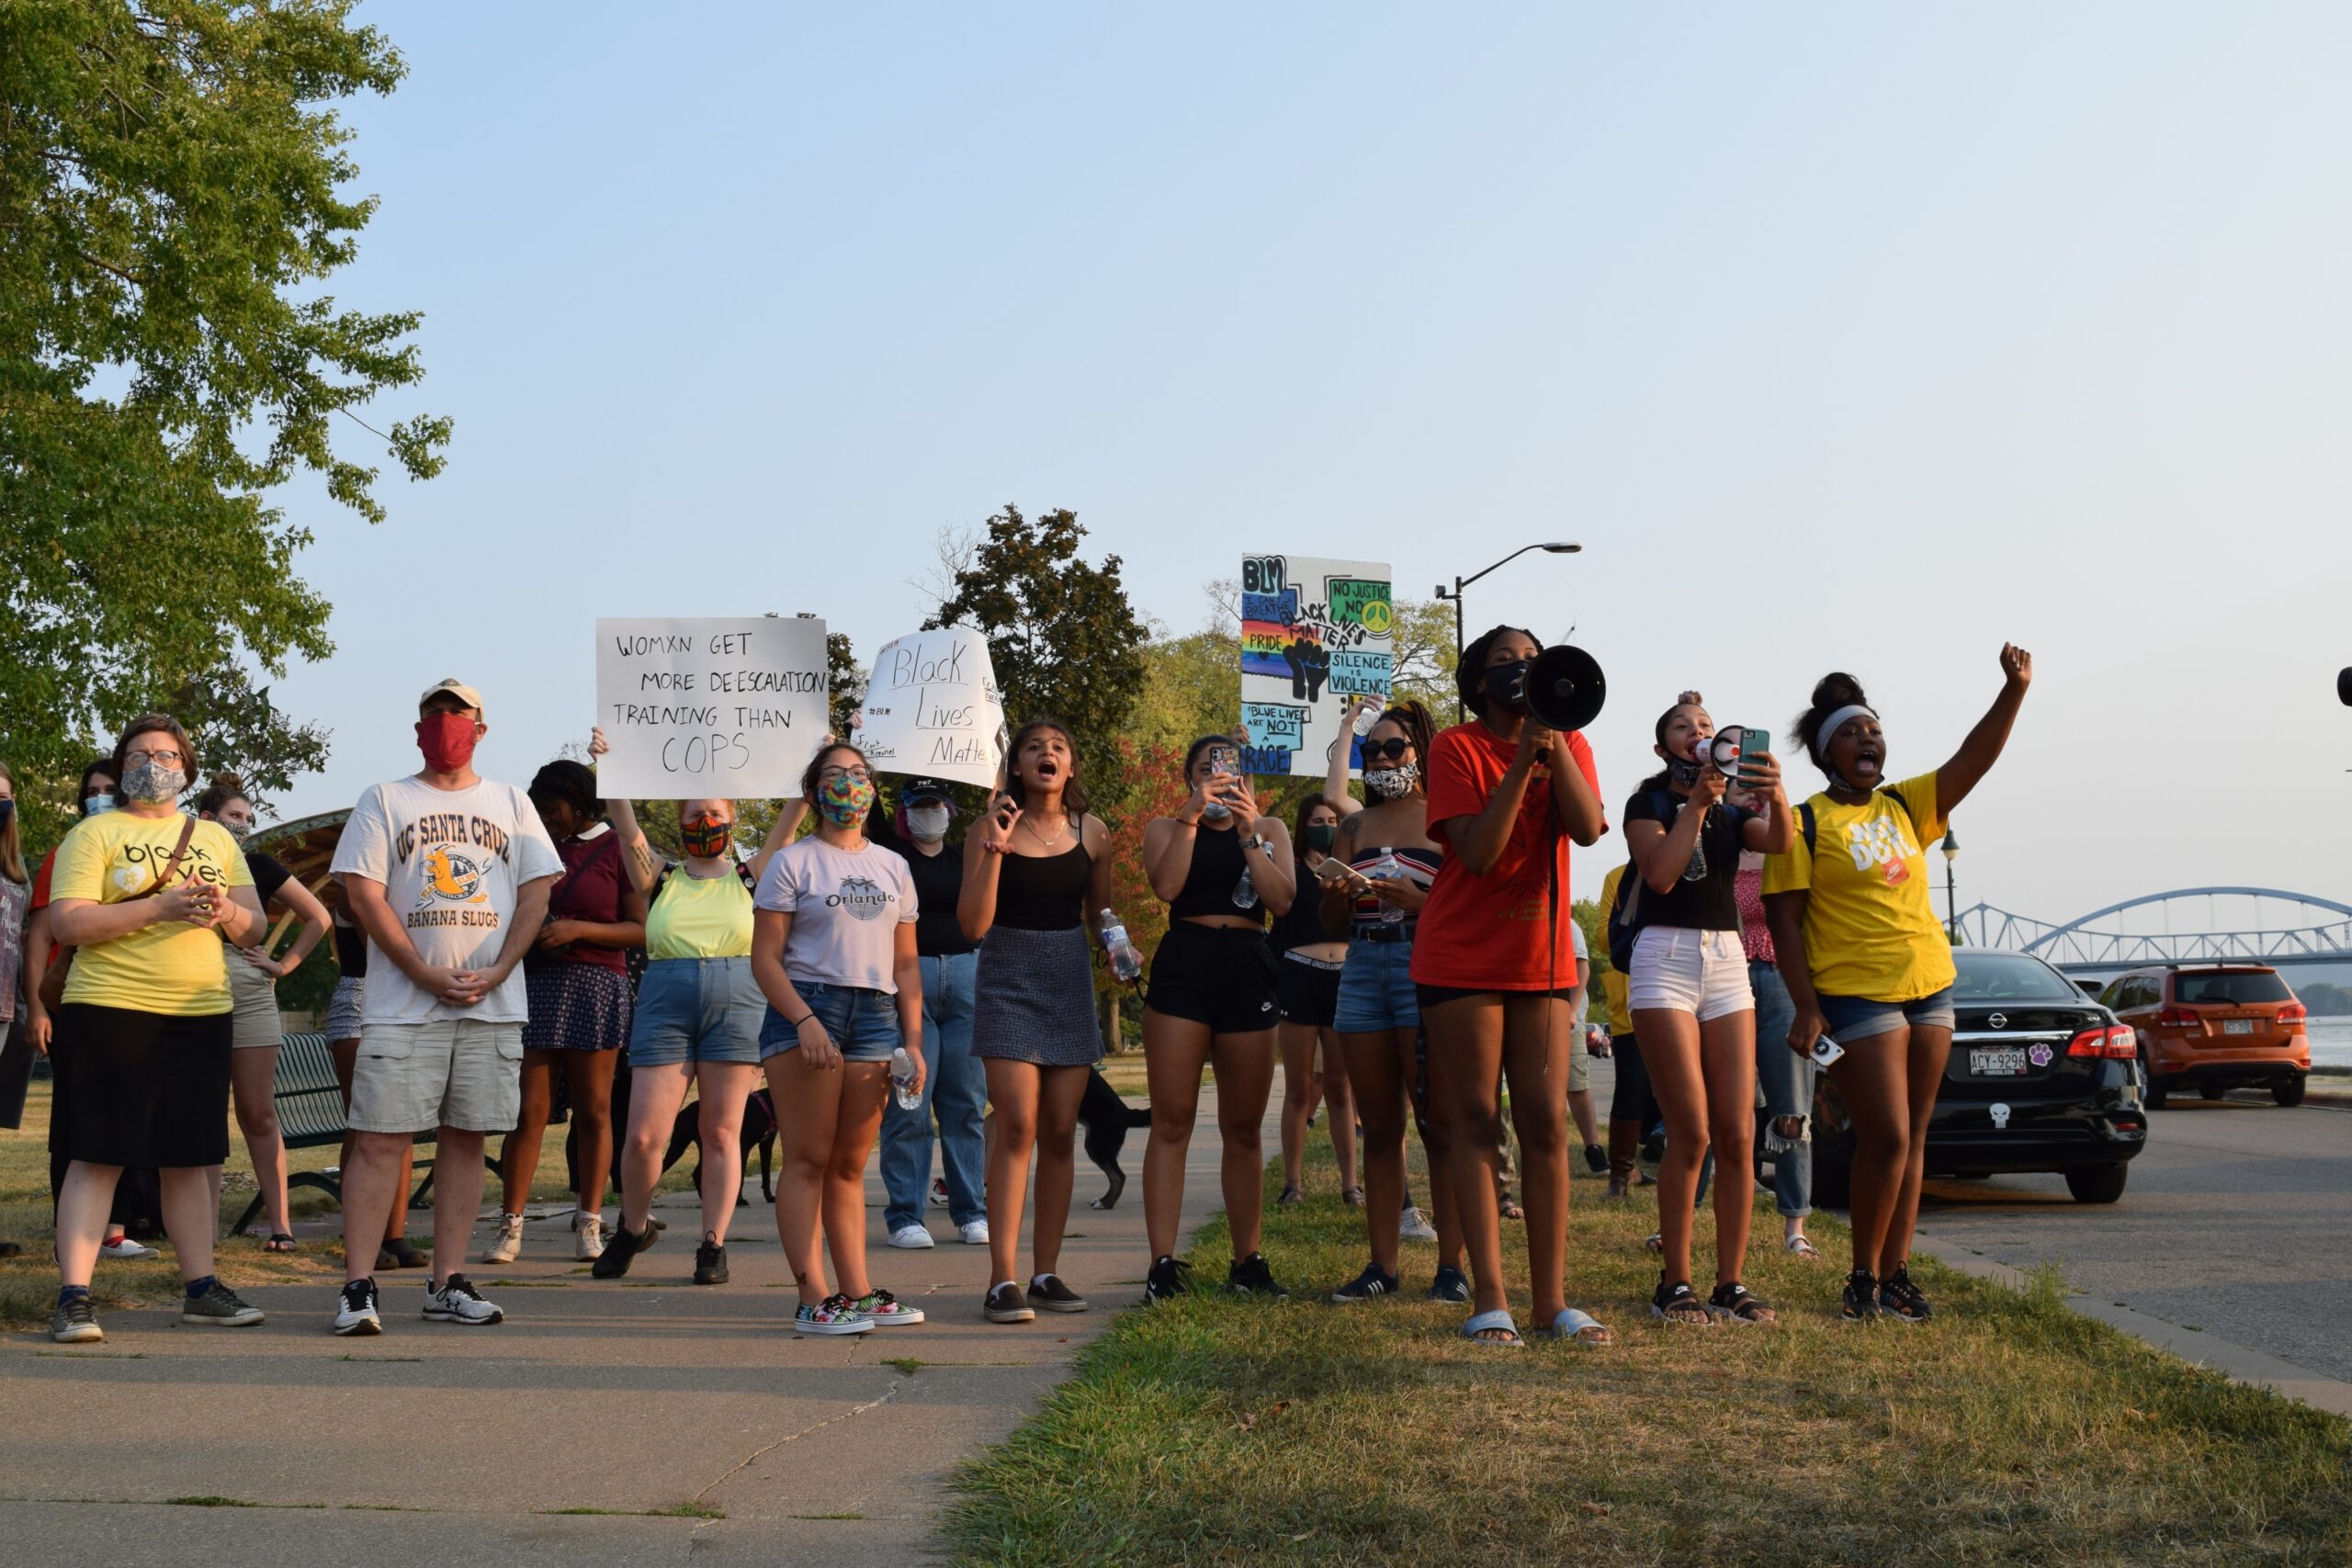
{"x": 171, "y": 197}
{"x": 1062, "y": 636}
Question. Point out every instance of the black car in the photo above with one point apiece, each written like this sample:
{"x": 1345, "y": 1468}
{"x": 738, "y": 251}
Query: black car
{"x": 2042, "y": 1077}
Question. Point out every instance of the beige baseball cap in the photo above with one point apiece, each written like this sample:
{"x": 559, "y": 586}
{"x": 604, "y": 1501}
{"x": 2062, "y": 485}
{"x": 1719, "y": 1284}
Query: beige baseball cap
{"x": 455, "y": 688}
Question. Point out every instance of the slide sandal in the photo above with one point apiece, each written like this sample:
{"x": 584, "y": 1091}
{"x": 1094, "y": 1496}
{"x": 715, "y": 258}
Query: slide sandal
{"x": 1485, "y": 1322}
{"x": 280, "y": 1242}
{"x": 1576, "y": 1328}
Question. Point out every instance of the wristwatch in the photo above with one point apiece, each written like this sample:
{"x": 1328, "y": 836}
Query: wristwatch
{"x": 1258, "y": 841}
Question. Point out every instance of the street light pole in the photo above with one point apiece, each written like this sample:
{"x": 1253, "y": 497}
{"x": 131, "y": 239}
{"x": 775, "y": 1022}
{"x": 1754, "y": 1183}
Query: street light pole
{"x": 1951, "y": 898}
{"x": 1562, "y": 547}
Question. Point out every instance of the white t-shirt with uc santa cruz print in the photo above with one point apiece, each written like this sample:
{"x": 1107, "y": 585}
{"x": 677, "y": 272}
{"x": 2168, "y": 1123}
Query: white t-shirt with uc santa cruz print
{"x": 846, "y": 908}
{"x": 452, "y": 862}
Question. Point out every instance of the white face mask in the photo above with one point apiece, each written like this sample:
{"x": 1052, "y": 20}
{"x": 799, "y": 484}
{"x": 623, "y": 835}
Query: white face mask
{"x": 1391, "y": 783}
{"x": 929, "y": 823}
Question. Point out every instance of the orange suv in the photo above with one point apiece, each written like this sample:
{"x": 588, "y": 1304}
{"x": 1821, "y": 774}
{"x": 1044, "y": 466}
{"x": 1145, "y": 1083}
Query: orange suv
{"x": 2215, "y": 1028}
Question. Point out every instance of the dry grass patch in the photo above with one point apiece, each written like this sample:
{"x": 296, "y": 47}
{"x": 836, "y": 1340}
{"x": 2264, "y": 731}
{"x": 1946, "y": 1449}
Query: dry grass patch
{"x": 2009, "y": 1430}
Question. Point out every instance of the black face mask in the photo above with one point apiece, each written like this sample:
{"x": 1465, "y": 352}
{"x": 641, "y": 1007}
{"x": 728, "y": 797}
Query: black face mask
{"x": 1507, "y": 685}
{"x": 1321, "y": 836}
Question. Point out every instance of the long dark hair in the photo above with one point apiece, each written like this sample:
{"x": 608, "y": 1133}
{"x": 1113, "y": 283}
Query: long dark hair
{"x": 575, "y": 783}
{"x": 1832, "y": 692}
{"x": 1306, "y": 806}
{"x": 1470, "y": 674}
{"x": 1413, "y": 716}
{"x": 1073, "y": 793}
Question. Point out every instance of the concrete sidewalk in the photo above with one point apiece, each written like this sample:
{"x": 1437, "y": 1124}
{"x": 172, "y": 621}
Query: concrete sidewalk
{"x": 642, "y": 1416}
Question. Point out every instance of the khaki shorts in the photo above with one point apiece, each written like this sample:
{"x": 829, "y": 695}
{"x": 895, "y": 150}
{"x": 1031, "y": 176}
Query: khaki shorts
{"x": 1579, "y": 1063}
{"x": 450, "y": 1072}
{"x": 253, "y": 999}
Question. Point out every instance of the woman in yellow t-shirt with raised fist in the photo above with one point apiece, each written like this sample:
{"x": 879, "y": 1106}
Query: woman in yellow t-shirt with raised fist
{"x": 1855, "y": 934}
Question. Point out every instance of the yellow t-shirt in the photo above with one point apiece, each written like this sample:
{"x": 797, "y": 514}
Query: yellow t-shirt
{"x": 1869, "y": 928}
{"x": 172, "y": 967}
{"x": 699, "y": 918}
{"x": 1615, "y": 984}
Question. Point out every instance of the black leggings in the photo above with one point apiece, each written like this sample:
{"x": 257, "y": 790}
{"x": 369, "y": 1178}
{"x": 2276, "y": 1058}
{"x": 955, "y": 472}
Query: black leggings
{"x": 1632, "y": 1099}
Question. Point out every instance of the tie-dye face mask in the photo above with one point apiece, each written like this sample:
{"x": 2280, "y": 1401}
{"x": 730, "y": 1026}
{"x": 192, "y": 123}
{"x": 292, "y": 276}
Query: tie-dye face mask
{"x": 845, "y": 799}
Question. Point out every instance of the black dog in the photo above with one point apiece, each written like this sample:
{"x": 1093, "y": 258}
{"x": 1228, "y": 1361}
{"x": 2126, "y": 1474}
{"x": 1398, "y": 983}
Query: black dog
{"x": 1108, "y": 1119}
{"x": 759, "y": 1129}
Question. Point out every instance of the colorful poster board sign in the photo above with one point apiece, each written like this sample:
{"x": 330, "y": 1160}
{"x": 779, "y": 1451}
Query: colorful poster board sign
{"x": 932, "y": 708}
{"x": 722, "y": 706}
{"x": 1314, "y": 632}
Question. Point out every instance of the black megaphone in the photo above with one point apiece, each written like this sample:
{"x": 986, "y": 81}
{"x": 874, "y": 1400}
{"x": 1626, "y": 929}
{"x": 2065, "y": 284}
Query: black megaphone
{"x": 2343, "y": 687}
{"x": 1565, "y": 688}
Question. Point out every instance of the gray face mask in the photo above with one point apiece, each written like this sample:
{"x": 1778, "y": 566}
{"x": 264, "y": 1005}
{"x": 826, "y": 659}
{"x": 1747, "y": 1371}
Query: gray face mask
{"x": 928, "y": 823}
{"x": 1390, "y": 782}
{"x": 240, "y": 831}
{"x": 151, "y": 783}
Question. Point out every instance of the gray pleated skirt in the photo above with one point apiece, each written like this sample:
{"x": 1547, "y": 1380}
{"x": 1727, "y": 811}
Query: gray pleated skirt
{"x": 1033, "y": 999}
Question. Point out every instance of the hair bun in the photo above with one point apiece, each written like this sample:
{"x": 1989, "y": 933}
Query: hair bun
{"x": 229, "y": 784}
{"x": 1836, "y": 690}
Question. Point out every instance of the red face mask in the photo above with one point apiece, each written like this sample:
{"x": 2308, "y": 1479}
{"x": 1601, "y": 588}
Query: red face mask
{"x": 446, "y": 739}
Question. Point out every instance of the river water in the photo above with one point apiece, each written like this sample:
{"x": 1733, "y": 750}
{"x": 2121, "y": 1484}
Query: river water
{"x": 2330, "y": 1041}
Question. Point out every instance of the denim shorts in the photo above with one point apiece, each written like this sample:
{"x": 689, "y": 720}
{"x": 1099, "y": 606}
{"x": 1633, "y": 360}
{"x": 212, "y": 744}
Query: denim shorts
{"x": 697, "y": 1009}
{"x": 864, "y": 1023}
{"x": 1376, "y": 989}
{"x": 1858, "y": 1018}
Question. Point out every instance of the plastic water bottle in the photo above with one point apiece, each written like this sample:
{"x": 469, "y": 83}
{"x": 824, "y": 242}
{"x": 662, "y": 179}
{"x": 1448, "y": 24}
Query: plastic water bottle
{"x": 902, "y": 1080}
{"x": 1366, "y": 717}
{"x": 1126, "y": 962}
{"x": 1386, "y": 869}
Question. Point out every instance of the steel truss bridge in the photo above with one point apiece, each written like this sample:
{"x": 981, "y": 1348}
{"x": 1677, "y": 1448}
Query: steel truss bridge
{"x": 2080, "y": 945}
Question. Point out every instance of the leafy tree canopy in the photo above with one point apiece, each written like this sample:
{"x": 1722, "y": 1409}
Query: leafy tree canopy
{"x": 171, "y": 176}
{"x": 1063, "y": 639}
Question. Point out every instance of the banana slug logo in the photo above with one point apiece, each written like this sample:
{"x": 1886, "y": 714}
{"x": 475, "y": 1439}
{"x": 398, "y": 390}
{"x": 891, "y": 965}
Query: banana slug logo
{"x": 452, "y": 876}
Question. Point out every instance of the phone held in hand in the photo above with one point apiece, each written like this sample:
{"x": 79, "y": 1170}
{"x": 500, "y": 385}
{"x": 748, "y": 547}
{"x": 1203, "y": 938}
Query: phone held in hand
{"x": 1753, "y": 743}
{"x": 1825, "y": 1051}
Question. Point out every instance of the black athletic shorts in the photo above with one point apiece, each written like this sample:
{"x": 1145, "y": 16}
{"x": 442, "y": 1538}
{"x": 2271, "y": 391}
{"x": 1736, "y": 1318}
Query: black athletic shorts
{"x": 1223, "y": 978}
{"x": 1308, "y": 989}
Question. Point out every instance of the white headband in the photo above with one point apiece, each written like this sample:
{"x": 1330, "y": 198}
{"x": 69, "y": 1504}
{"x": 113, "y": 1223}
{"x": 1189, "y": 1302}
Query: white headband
{"x": 1829, "y": 726}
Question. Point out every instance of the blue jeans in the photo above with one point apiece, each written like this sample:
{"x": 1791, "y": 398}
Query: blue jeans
{"x": 955, "y": 1088}
{"x": 1786, "y": 1079}
{"x": 863, "y": 1024}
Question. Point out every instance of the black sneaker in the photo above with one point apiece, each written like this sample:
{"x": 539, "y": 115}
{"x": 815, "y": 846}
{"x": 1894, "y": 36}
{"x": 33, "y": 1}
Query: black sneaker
{"x": 1251, "y": 1277}
{"x": 1166, "y": 1282}
{"x": 1007, "y": 1304}
{"x": 619, "y": 1248}
{"x": 1861, "y": 1303}
{"x": 1451, "y": 1285}
{"x": 75, "y": 1322}
{"x": 356, "y": 1314}
{"x": 1373, "y": 1283}
{"x": 1596, "y": 1159}
{"x": 1048, "y": 1291}
{"x": 219, "y": 1307}
{"x": 710, "y": 1262}
{"x": 1900, "y": 1296}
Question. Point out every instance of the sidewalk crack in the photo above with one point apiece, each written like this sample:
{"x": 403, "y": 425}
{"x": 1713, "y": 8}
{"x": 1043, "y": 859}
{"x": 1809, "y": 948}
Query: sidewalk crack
{"x": 757, "y": 1454}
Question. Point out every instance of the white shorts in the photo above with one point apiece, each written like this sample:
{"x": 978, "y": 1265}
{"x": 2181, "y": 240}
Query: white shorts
{"x": 451, "y": 1072}
{"x": 1679, "y": 970}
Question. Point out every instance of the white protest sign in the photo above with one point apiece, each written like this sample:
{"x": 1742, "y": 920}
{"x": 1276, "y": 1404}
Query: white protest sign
{"x": 931, "y": 708}
{"x": 723, "y": 706}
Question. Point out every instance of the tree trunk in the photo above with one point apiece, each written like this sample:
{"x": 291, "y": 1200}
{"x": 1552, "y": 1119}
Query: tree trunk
{"x": 1106, "y": 1007}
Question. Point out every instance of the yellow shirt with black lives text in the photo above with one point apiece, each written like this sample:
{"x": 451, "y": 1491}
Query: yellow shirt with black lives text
{"x": 1869, "y": 925}
{"x": 170, "y": 967}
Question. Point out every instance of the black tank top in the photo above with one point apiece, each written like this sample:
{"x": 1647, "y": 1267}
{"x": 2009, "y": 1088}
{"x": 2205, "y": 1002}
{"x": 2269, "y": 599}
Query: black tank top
{"x": 1302, "y": 926}
{"x": 1218, "y": 882}
{"x": 1044, "y": 892}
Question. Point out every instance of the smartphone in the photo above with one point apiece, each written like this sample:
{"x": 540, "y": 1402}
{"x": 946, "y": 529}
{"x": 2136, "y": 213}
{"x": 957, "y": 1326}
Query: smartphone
{"x": 1753, "y": 743}
{"x": 1825, "y": 1051}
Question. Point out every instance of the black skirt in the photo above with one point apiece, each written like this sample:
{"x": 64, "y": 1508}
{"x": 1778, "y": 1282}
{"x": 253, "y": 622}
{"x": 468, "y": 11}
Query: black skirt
{"x": 140, "y": 1088}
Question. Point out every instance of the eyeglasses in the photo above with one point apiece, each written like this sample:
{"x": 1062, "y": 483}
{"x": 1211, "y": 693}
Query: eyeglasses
{"x": 169, "y": 758}
{"x": 1390, "y": 750}
{"x": 831, "y": 775}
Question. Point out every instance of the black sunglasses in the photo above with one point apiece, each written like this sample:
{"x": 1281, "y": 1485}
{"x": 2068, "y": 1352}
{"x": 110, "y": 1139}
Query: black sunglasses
{"x": 1391, "y": 750}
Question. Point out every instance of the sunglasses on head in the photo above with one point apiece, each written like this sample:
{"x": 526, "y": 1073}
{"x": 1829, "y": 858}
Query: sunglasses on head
{"x": 1392, "y": 750}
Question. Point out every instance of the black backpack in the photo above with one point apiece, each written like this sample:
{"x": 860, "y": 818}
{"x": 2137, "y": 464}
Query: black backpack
{"x": 1625, "y": 910}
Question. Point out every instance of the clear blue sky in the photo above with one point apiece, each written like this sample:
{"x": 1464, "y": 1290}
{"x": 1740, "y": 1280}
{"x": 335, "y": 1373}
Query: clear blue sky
{"x": 1856, "y": 336}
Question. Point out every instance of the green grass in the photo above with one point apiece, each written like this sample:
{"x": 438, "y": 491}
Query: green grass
{"x": 2010, "y": 1429}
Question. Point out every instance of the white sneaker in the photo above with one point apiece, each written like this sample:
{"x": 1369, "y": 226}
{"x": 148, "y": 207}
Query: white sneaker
{"x": 976, "y": 1233}
{"x": 458, "y": 1301}
{"x": 1415, "y": 1227}
{"x": 590, "y": 1229}
{"x": 507, "y": 1244}
{"x": 124, "y": 1249}
{"x": 911, "y": 1236}
{"x": 356, "y": 1312}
